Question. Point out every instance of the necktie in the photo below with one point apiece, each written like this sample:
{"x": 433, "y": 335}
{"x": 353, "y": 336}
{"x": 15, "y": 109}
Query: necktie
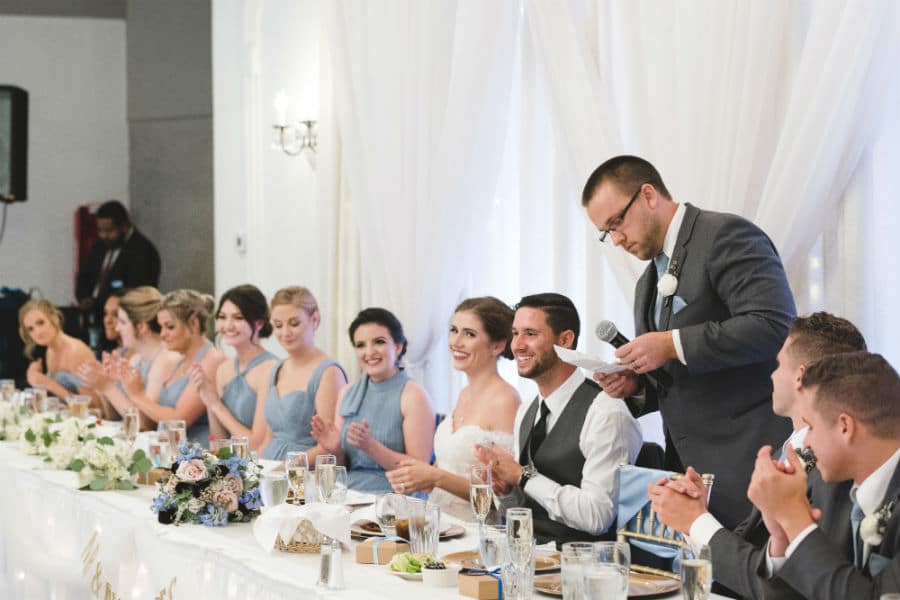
{"x": 856, "y": 517}
{"x": 540, "y": 430}
{"x": 662, "y": 263}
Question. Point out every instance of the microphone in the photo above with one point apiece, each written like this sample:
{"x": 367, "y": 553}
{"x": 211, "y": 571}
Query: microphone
{"x": 606, "y": 331}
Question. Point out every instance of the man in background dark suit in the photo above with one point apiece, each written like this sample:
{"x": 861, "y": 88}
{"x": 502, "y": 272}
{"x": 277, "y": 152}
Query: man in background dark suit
{"x": 852, "y": 405}
{"x": 122, "y": 257}
{"x": 713, "y": 324}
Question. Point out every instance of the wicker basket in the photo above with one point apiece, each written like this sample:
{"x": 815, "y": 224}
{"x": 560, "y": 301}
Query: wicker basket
{"x": 307, "y": 539}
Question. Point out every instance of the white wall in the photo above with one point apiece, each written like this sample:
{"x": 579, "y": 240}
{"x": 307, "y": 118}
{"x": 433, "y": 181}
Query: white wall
{"x": 261, "y": 194}
{"x": 74, "y": 71}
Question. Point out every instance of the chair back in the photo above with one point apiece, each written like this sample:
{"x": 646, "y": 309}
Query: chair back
{"x": 638, "y": 524}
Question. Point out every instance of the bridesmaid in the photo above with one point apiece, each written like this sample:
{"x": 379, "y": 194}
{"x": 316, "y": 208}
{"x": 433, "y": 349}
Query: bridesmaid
{"x": 183, "y": 317}
{"x": 112, "y": 341}
{"x": 480, "y": 333}
{"x": 385, "y": 417}
{"x": 241, "y": 321}
{"x": 305, "y": 384}
{"x": 40, "y": 324}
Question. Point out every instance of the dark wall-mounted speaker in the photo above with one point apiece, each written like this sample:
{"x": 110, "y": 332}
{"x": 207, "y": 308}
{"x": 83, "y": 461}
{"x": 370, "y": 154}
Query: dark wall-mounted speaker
{"x": 13, "y": 144}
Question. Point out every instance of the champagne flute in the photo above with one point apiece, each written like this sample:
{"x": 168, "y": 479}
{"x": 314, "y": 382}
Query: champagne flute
{"x": 296, "y": 465}
{"x": 481, "y": 493}
{"x": 696, "y": 572}
{"x": 131, "y": 424}
{"x": 520, "y": 540}
{"x": 339, "y": 493}
{"x": 177, "y": 429}
{"x": 325, "y": 475}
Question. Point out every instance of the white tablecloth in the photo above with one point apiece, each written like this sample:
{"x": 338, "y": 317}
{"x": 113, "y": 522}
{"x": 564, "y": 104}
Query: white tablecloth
{"x": 61, "y": 543}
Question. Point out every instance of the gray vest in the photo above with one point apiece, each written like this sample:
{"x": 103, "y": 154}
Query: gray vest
{"x": 560, "y": 459}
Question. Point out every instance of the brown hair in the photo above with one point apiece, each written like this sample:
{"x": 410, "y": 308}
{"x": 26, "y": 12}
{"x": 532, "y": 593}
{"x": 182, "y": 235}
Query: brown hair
{"x": 496, "y": 317}
{"x": 627, "y": 173}
{"x": 860, "y": 384}
{"x": 821, "y": 334}
{"x": 141, "y": 305}
{"x": 50, "y": 311}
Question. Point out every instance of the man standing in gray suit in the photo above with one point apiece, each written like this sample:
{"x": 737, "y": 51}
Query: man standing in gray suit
{"x": 711, "y": 311}
{"x": 851, "y": 403}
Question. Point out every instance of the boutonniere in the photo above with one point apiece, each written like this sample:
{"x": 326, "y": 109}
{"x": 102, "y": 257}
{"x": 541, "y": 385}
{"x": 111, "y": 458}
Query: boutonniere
{"x": 871, "y": 529}
{"x": 807, "y": 457}
{"x": 668, "y": 283}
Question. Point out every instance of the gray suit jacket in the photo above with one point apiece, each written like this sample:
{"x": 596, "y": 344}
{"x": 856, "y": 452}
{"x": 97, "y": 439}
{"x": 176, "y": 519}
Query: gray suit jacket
{"x": 735, "y": 317}
{"x": 739, "y": 556}
{"x": 819, "y": 569}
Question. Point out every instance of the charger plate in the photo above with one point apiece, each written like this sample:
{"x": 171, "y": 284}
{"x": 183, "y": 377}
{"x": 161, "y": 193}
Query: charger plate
{"x": 639, "y": 585}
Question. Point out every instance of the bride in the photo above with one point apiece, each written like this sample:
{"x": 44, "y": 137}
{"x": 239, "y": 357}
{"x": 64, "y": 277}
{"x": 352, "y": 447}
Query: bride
{"x": 480, "y": 332}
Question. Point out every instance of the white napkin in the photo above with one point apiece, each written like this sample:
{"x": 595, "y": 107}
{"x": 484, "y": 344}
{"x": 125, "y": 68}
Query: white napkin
{"x": 329, "y": 519}
{"x": 355, "y": 498}
{"x": 586, "y": 361}
{"x": 365, "y": 514}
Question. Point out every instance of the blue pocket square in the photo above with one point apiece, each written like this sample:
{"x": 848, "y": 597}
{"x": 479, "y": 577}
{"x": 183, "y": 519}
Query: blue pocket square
{"x": 677, "y": 304}
{"x": 877, "y": 563}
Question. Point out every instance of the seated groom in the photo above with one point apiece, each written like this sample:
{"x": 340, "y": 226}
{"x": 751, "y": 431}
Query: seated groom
{"x": 569, "y": 439}
{"x": 851, "y": 403}
{"x": 681, "y": 504}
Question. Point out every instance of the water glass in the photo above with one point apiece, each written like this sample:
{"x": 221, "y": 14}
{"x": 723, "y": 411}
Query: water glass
{"x": 240, "y": 446}
{"x": 575, "y": 556}
{"x": 78, "y": 406}
{"x": 696, "y": 572}
{"x": 296, "y": 464}
{"x": 519, "y": 535}
{"x": 131, "y": 424}
{"x": 50, "y": 404}
{"x": 389, "y": 508}
{"x": 481, "y": 494}
{"x": 40, "y": 398}
{"x": 492, "y": 546}
{"x": 606, "y": 577}
{"x": 273, "y": 489}
{"x": 518, "y": 582}
{"x": 159, "y": 446}
{"x": 7, "y": 389}
{"x": 177, "y": 430}
{"x": 424, "y": 527}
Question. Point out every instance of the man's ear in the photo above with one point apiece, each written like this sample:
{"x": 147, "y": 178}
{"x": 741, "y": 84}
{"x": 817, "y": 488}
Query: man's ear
{"x": 565, "y": 339}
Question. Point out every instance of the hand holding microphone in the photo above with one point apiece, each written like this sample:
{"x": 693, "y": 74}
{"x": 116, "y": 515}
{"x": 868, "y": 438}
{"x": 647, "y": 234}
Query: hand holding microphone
{"x": 643, "y": 355}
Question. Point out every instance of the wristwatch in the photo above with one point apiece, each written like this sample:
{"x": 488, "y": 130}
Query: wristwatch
{"x": 528, "y": 471}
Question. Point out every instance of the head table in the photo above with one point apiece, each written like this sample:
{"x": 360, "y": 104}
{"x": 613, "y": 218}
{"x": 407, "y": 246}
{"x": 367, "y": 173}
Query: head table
{"x": 62, "y": 543}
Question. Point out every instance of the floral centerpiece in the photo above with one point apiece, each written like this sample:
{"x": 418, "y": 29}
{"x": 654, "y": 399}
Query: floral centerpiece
{"x": 10, "y": 417}
{"x": 208, "y": 489}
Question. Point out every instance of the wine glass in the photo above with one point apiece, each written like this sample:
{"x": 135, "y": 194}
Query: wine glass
{"x": 481, "y": 494}
{"x": 296, "y": 465}
{"x": 339, "y": 493}
{"x": 325, "y": 475}
{"x": 240, "y": 446}
{"x": 696, "y": 572}
{"x": 131, "y": 424}
{"x": 520, "y": 540}
{"x": 387, "y": 510}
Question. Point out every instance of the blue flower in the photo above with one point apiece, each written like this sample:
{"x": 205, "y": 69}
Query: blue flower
{"x": 162, "y": 502}
{"x": 186, "y": 452}
{"x": 214, "y": 516}
{"x": 236, "y": 465}
{"x": 251, "y": 499}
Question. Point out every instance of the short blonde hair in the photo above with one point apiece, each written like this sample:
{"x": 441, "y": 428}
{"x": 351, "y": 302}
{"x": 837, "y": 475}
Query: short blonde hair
{"x": 298, "y": 296}
{"x": 48, "y": 309}
{"x": 185, "y": 304}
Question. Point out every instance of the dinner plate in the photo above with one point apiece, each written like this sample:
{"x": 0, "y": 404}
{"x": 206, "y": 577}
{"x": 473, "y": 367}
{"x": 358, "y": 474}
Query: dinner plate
{"x": 467, "y": 559}
{"x": 405, "y": 575}
{"x": 639, "y": 585}
{"x": 371, "y": 529}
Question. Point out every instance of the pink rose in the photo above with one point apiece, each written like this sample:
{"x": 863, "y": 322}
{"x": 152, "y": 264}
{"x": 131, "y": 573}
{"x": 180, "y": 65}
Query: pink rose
{"x": 192, "y": 470}
{"x": 234, "y": 484}
{"x": 227, "y": 499}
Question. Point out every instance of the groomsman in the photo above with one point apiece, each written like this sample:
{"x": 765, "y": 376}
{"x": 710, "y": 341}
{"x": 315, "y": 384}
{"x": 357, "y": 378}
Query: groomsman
{"x": 681, "y": 504}
{"x": 851, "y": 403}
{"x": 569, "y": 440}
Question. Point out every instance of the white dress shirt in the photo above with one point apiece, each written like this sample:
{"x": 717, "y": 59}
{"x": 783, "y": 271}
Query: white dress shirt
{"x": 609, "y": 437}
{"x": 668, "y": 249}
{"x": 868, "y": 494}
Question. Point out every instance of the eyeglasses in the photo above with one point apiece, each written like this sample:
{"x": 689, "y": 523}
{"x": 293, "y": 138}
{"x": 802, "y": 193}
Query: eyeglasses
{"x": 616, "y": 222}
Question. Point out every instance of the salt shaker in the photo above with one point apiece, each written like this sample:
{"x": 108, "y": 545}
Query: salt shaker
{"x": 325, "y": 563}
{"x": 336, "y": 573}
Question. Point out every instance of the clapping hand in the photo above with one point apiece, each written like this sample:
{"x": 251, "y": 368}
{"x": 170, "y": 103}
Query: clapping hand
{"x": 678, "y": 502}
{"x": 326, "y": 434}
{"x": 203, "y": 385}
{"x": 412, "y": 475}
{"x": 95, "y": 375}
{"x": 505, "y": 470}
{"x": 360, "y": 435}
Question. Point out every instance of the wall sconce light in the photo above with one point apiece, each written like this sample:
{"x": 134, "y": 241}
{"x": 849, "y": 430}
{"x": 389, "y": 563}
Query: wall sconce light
{"x": 293, "y": 139}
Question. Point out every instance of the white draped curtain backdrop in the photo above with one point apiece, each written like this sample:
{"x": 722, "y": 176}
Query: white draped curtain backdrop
{"x": 459, "y": 124}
